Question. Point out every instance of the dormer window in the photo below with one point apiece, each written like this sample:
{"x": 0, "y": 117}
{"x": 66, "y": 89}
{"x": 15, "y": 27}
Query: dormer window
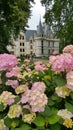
{"x": 23, "y": 37}
{"x": 30, "y": 41}
{"x": 20, "y": 36}
{"x": 31, "y": 47}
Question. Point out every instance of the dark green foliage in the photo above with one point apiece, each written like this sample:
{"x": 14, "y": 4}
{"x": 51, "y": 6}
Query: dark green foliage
{"x": 59, "y": 15}
{"x": 14, "y": 16}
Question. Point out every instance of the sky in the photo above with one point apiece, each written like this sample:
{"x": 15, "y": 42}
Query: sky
{"x": 37, "y": 12}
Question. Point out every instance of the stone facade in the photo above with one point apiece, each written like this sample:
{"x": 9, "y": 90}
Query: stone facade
{"x": 40, "y": 42}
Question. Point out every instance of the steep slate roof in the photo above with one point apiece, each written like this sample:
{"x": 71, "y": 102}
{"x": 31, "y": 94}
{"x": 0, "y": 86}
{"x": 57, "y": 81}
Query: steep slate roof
{"x": 40, "y": 28}
{"x": 29, "y": 34}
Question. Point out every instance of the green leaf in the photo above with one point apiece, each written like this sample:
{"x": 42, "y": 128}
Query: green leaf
{"x": 50, "y": 103}
{"x": 7, "y": 122}
{"x": 25, "y": 111}
{"x": 39, "y": 121}
{"x": 55, "y": 127}
{"x": 15, "y": 128}
{"x": 53, "y": 119}
{"x": 60, "y": 81}
{"x": 15, "y": 122}
{"x": 39, "y": 128}
{"x": 1, "y": 107}
{"x": 23, "y": 127}
{"x": 71, "y": 94}
{"x": 69, "y": 106}
{"x": 11, "y": 122}
{"x": 47, "y": 112}
{"x": 17, "y": 99}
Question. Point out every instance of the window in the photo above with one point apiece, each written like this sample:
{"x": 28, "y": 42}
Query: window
{"x": 23, "y": 44}
{"x": 12, "y": 52}
{"x": 42, "y": 47}
{"x": 30, "y": 46}
{"x": 49, "y": 51}
{"x": 48, "y": 44}
{"x": 23, "y": 50}
{"x": 20, "y": 43}
{"x": 30, "y": 41}
{"x": 20, "y": 36}
{"x": 20, "y": 50}
{"x": 53, "y": 44}
{"x": 23, "y": 37}
{"x": 31, "y": 53}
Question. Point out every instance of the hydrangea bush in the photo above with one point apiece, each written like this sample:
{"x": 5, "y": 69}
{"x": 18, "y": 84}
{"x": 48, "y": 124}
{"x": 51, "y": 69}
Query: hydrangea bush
{"x": 37, "y": 95}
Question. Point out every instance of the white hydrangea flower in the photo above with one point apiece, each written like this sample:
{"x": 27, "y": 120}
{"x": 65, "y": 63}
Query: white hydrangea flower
{"x": 21, "y": 89}
{"x": 2, "y": 125}
{"x": 15, "y": 111}
{"x": 65, "y": 114}
{"x": 29, "y": 117}
{"x": 62, "y": 91}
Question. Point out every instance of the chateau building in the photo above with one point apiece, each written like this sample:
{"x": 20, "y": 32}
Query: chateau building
{"x": 40, "y": 42}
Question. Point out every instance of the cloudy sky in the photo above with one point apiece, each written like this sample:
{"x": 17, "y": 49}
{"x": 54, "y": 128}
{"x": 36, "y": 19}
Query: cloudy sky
{"x": 37, "y": 12}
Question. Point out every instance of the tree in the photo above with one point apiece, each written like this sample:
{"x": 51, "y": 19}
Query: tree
{"x": 59, "y": 15}
{"x": 14, "y": 16}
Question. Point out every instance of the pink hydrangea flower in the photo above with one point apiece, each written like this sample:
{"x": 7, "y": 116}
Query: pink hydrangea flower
{"x": 25, "y": 96}
{"x": 39, "y": 86}
{"x": 37, "y": 100}
{"x": 35, "y": 97}
{"x": 12, "y": 83}
{"x": 63, "y": 62}
{"x": 68, "y": 49}
{"x": 27, "y": 107}
{"x": 52, "y": 59}
{"x": 38, "y": 63}
{"x": 11, "y": 74}
{"x": 14, "y": 72}
{"x": 7, "y": 61}
{"x": 55, "y": 52}
{"x": 10, "y": 101}
{"x": 39, "y": 67}
{"x": 27, "y": 60}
